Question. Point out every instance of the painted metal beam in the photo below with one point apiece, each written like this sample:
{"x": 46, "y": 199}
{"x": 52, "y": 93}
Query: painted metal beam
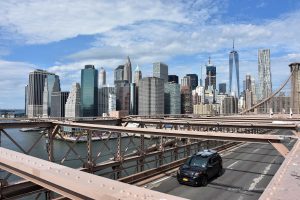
{"x": 225, "y": 124}
{"x": 184, "y": 134}
{"x": 25, "y": 124}
{"x": 69, "y": 182}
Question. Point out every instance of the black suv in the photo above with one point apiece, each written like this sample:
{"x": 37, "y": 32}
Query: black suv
{"x": 200, "y": 167}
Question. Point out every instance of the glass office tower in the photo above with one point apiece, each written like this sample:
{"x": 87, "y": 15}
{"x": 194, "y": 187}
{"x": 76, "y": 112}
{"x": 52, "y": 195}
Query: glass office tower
{"x": 89, "y": 91}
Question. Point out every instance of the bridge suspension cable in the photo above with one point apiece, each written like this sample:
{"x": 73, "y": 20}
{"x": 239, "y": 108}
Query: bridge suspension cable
{"x": 269, "y": 97}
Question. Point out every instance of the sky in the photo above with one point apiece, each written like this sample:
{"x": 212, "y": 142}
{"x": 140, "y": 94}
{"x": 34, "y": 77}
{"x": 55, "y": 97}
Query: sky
{"x": 62, "y": 36}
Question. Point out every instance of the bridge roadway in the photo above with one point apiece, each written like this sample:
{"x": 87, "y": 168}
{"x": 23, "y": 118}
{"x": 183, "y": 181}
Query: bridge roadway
{"x": 247, "y": 171}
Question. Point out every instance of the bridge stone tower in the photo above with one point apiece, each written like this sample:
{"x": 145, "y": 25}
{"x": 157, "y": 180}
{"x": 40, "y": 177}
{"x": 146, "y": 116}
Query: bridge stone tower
{"x": 295, "y": 87}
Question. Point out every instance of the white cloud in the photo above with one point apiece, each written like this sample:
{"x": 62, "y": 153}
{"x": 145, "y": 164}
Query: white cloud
{"x": 44, "y": 21}
{"x": 14, "y": 77}
{"x": 150, "y": 31}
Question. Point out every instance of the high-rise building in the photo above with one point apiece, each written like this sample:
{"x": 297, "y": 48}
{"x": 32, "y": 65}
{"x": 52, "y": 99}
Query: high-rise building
{"x": 229, "y": 105}
{"x": 151, "y": 100}
{"x": 186, "y": 81}
{"x": 194, "y": 80}
{"x": 103, "y": 99}
{"x": 111, "y": 102}
{"x": 253, "y": 90}
{"x": 52, "y": 84}
{"x": 222, "y": 88}
{"x": 186, "y": 100}
{"x": 119, "y": 73}
{"x": 35, "y": 92}
{"x": 58, "y": 102}
{"x": 264, "y": 78}
{"x": 172, "y": 98}
{"x": 211, "y": 73}
{"x": 72, "y": 108}
{"x": 122, "y": 91}
{"x": 248, "y": 82}
{"x": 198, "y": 95}
{"x": 26, "y": 100}
{"x": 173, "y": 78}
{"x": 133, "y": 109}
{"x": 234, "y": 84}
{"x": 160, "y": 70}
{"x": 89, "y": 91}
{"x": 137, "y": 75}
{"x": 128, "y": 71}
{"x": 102, "y": 77}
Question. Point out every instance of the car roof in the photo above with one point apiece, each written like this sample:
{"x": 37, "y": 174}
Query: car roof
{"x": 206, "y": 153}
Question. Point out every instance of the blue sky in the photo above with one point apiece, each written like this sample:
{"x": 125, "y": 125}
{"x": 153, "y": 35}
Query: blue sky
{"x": 63, "y": 35}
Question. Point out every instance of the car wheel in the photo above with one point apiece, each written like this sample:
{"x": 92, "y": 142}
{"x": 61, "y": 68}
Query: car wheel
{"x": 204, "y": 181}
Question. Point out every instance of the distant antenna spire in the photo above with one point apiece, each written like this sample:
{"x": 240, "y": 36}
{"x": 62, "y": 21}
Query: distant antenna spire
{"x": 233, "y": 44}
{"x": 209, "y": 60}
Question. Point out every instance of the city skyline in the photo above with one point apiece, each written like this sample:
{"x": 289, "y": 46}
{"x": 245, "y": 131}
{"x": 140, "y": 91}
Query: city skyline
{"x": 175, "y": 42}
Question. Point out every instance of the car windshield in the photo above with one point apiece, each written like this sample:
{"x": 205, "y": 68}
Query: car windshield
{"x": 197, "y": 161}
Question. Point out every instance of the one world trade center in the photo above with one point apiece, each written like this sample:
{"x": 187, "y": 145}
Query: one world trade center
{"x": 234, "y": 81}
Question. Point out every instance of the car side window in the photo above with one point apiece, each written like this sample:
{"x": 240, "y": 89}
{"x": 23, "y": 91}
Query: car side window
{"x": 213, "y": 160}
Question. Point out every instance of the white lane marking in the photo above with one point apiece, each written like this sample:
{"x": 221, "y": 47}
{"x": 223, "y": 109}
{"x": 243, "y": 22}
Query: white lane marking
{"x": 231, "y": 150}
{"x": 230, "y": 166}
{"x": 241, "y": 198}
{"x": 258, "y": 179}
{"x": 160, "y": 180}
{"x": 256, "y": 150}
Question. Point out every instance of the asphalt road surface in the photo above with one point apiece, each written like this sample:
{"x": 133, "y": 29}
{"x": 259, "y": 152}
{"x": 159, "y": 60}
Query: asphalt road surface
{"x": 247, "y": 171}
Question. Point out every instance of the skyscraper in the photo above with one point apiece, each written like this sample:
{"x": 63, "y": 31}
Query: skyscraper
{"x": 137, "y": 75}
{"x": 234, "y": 85}
{"x": 248, "y": 82}
{"x": 264, "y": 77}
{"x": 122, "y": 91}
{"x": 26, "y": 100}
{"x": 52, "y": 84}
{"x": 58, "y": 102}
{"x": 173, "y": 78}
{"x": 160, "y": 70}
{"x": 172, "y": 98}
{"x": 211, "y": 73}
{"x": 194, "y": 80}
{"x": 103, "y": 98}
{"x": 89, "y": 91}
{"x": 127, "y": 70}
{"x": 119, "y": 73}
{"x": 222, "y": 88}
{"x": 102, "y": 77}
{"x": 133, "y": 99}
{"x": 151, "y": 98}
{"x": 186, "y": 100}
{"x": 36, "y": 85}
{"x": 72, "y": 108}
{"x": 186, "y": 81}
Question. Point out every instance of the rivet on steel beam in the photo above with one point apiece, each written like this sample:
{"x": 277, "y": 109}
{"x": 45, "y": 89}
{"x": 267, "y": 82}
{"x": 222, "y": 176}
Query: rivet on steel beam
{"x": 112, "y": 188}
{"x": 90, "y": 181}
{"x": 77, "y": 177}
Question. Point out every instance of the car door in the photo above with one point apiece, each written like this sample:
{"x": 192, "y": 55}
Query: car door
{"x": 213, "y": 166}
{"x": 210, "y": 168}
